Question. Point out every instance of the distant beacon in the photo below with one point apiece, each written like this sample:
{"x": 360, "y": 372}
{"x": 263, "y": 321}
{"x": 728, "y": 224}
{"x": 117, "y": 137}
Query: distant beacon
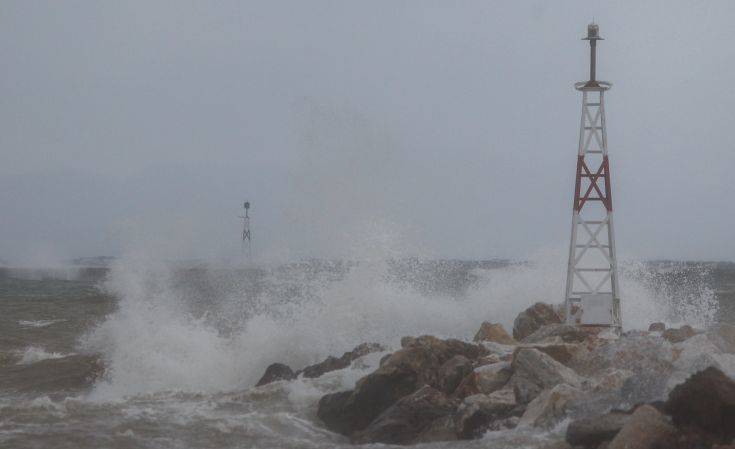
{"x": 592, "y": 294}
{"x": 246, "y": 230}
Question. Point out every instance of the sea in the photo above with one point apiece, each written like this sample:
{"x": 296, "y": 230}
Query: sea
{"x": 142, "y": 353}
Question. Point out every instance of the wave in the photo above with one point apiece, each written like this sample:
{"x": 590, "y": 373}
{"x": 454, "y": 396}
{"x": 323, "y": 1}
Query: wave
{"x": 33, "y": 354}
{"x": 38, "y": 323}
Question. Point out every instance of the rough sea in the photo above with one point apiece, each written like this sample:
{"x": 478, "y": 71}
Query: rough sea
{"x": 148, "y": 354}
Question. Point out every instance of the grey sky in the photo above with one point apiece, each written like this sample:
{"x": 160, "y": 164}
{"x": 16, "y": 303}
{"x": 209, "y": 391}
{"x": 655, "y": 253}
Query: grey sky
{"x": 451, "y": 125}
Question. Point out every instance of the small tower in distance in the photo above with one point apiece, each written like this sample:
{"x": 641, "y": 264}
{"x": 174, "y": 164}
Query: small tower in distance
{"x": 592, "y": 294}
{"x": 246, "y": 229}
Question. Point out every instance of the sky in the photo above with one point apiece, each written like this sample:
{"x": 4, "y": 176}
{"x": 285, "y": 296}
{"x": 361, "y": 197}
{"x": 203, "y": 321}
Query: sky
{"x": 437, "y": 128}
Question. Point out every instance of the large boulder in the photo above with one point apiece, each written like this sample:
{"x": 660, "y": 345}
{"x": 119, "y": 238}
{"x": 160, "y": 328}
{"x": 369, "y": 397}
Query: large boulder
{"x": 409, "y": 418}
{"x": 405, "y": 371}
{"x": 531, "y": 319}
{"x": 561, "y": 352}
{"x": 478, "y": 412}
{"x": 589, "y": 433}
{"x": 647, "y": 428}
{"x": 485, "y": 379}
{"x": 453, "y": 371}
{"x": 534, "y": 371}
{"x": 706, "y": 402}
{"x": 275, "y": 372}
{"x": 549, "y": 407}
{"x": 560, "y": 332}
{"x": 494, "y": 332}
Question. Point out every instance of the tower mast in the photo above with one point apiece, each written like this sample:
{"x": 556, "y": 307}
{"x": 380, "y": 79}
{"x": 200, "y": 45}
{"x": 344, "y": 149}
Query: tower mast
{"x": 592, "y": 294}
{"x": 246, "y": 230}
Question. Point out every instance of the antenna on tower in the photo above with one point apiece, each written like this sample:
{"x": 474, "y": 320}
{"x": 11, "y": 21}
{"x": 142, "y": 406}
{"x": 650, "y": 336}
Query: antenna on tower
{"x": 246, "y": 241}
{"x": 592, "y": 295}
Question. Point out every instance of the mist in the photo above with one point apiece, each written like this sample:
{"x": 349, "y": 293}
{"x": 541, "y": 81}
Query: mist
{"x": 417, "y": 128}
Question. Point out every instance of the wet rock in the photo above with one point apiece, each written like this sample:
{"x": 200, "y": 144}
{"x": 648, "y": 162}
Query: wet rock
{"x": 657, "y": 327}
{"x": 441, "y": 429}
{"x": 491, "y": 378}
{"x": 706, "y": 402}
{"x": 531, "y": 319}
{"x": 678, "y": 335}
{"x": 477, "y": 412}
{"x": 564, "y": 332}
{"x": 331, "y": 411}
{"x": 275, "y": 372}
{"x": 404, "y": 372}
{"x": 494, "y": 332}
{"x": 612, "y": 379}
{"x": 453, "y": 371}
{"x": 561, "y": 352}
{"x": 549, "y": 407}
{"x": 534, "y": 371}
{"x": 589, "y": 433}
{"x": 407, "y": 419}
{"x": 335, "y": 363}
{"x": 647, "y": 428}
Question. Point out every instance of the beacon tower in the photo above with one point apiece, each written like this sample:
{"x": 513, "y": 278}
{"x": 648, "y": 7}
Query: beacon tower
{"x": 592, "y": 293}
{"x": 246, "y": 229}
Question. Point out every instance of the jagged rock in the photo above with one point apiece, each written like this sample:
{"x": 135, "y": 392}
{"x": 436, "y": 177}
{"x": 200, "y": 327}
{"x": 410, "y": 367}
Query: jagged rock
{"x": 491, "y": 378}
{"x": 441, "y": 429}
{"x": 404, "y": 372}
{"x": 591, "y": 432}
{"x": 477, "y": 412}
{"x": 549, "y": 407}
{"x": 332, "y": 412}
{"x": 657, "y": 327}
{"x": 275, "y": 372}
{"x": 534, "y": 371}
{"x": 494, "y": 332}
{"x": 647, "y": 428}
{"x": 531, "y": 319}
{"x": 706, "y": 401}
{"x": 561, "y": 352}
{"x": 453, "y": 371}
{"x": 335, "y": 363}
{"x": 407, "y": 419}
{"x": 678, "y": 335}
{"x": 564, "y": 332}
{"x": 484, "y": 379}
{"x": 487, "y": 360}
{"x": 612, "y": 379}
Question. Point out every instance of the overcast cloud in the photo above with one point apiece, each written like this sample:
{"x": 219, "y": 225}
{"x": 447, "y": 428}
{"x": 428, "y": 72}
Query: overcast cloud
{"x": 451, "y": 126}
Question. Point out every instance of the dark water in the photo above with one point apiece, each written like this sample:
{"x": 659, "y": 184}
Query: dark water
{"x": 140, "y": 357}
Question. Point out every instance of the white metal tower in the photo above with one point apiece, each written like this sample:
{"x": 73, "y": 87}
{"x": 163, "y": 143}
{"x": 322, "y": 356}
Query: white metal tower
{"x": 592, "y": 293}
{"x": 246, "y": 230}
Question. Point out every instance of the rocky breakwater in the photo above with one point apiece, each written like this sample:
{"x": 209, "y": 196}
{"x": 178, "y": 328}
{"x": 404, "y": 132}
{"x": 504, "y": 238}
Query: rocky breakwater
{"x": 638, "y": 390}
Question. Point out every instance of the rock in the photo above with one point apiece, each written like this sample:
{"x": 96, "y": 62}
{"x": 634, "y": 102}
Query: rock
{"x": 564, "y": 332}
{"x": 591, "y": 432}
{"x": 491, "y": 378}
{"x": 441, "y": 429}
{"x": 404, "y": 372}
{"x": 407, "y": 419}
{"x": 561, "y": 352}
{"x": 534, "y": 371}
{"x": 657, "y": 327}
{"x": 453, "y": 371}
{"x": 334, "y": 363}
{"x": 494, "y": 332}
{"x": 678, "y": 335}
{"x": 549, "y": 407}
{"x": 612, "y": 379}
{"x": 706, "y": 401}
{"x": 477, "y": 412}
{"x": 531, "y": 319}
{"x": 647, "y": 428}
{"x": 275, "y": 372}
{"x": 331, "y": 411}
